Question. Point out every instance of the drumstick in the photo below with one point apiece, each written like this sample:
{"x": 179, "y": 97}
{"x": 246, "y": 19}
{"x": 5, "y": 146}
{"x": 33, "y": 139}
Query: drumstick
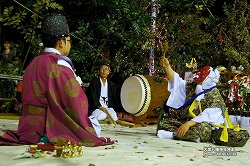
{"x": 165, "y": 48}
{"x": 125, "y": 123}
{"x": 111, "y": 120}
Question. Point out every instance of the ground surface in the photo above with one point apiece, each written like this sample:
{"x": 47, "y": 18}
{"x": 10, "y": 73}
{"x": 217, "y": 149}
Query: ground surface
{"x": 135, "y": 147}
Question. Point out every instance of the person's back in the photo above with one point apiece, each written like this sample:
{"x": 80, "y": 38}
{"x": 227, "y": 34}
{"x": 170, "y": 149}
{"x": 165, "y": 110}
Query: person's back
{"x": 33, "y": 78}
{"x": 35, "y": 96}
{"x": 54, "y": 105}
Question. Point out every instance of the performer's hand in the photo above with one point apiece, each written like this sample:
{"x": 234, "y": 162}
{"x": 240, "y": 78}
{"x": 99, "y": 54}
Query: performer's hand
{"x": 164, "y": 62}
{"x": 167, "y": 68}
{"x": 184, "y": 128}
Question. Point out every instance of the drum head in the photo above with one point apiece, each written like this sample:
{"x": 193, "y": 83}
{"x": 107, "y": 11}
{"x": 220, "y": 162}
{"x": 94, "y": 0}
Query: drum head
{"x": 135, "y": 95}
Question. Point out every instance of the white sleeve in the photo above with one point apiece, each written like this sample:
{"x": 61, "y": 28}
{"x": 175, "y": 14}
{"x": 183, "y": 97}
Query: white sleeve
{"x": 210, "y": 115}
{"x": 177, "y": 91}
{"x": 199, "y": 89}
{"x": 66, "y": 64}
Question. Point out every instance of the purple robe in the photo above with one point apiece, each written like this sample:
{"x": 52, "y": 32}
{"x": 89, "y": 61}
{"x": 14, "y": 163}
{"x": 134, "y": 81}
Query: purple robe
{"x": 53, "y": 104}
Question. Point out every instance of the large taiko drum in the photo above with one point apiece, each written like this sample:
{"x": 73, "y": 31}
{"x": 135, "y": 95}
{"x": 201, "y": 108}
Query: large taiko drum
{"x": 142, "y": 95}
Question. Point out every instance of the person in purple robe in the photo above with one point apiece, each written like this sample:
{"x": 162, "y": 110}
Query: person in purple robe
{"x": 55, "y": 106}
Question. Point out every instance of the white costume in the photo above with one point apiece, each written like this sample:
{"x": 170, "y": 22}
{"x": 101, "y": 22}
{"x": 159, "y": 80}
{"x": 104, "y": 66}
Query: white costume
{"x": 177, "y": 98}
{"x": 99, "y": 114}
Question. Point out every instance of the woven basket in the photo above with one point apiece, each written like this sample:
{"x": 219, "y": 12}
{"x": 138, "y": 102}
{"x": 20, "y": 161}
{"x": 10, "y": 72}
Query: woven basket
{"x": 235, "y": 138}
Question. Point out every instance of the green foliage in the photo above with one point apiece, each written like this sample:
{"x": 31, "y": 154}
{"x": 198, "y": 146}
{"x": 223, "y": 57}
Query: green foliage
{"x": 114, "y": 32}
{"x": 192, "y": 30}
{"x": 15, "y": 20}
{"x": 237, "y": 39}
{"x": 186, "y": 32}
{"x": 120, "y": 32}
{"x": 26, "y": 19}
{"x": 179, "y": 7}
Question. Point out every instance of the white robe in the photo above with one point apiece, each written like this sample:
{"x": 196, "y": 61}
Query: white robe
{"x": 177, "y": 98}
{"x": 99, "y": 114}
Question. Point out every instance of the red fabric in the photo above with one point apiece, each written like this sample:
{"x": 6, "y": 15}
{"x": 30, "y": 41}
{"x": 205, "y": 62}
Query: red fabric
{"x": 202, "y": 74}
{"x": 53, "y": 104}
{"x": 20, "y": 86}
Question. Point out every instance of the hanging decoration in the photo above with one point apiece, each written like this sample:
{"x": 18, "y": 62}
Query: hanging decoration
{"x": 151, "y": 54}
{"x": 238, "y": 94}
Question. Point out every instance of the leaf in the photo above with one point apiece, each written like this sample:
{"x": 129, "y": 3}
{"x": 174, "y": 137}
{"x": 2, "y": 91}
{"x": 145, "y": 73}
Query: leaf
{"x": 139, "y": 152}
{"x": 111, "y": 147}
{"x": 241, "y": 151}
{"x": 135, "y": 147}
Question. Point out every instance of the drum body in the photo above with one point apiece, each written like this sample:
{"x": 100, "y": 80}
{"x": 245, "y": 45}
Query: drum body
{"x": 143, "y": 95}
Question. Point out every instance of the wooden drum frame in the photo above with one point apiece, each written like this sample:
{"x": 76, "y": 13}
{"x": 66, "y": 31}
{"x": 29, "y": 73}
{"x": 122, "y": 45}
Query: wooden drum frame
{"x": 141, "y": 96}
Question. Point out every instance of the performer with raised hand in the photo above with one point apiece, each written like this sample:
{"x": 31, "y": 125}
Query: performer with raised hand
{"x": 194, "y": 108}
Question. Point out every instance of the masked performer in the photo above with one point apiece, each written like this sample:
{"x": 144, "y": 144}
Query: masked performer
{"x": 194, "y": 108}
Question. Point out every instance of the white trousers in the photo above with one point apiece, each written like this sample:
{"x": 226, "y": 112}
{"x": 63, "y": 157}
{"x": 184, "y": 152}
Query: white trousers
{"x": 96, "y": 125}
{"x": 100, "y": 115}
